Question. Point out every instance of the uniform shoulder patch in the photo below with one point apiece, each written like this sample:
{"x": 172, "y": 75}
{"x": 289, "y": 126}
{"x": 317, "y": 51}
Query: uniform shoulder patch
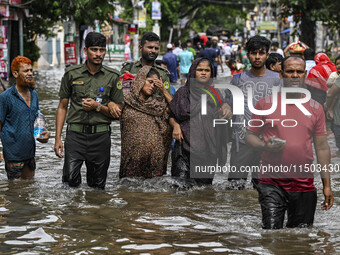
{"x": 166, "y": 85}
{"x": 126, "y": 63}
{"x": 112, "y": 70}
{"x": 163, "y": 69}
{"x": 73, "y": 67}
{"x": 119, "y": 84}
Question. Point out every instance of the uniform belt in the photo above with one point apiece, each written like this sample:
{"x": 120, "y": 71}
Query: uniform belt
{"x": 88, "y": 129}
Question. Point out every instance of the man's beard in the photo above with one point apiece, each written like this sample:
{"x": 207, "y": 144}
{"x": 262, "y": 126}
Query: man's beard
{"x": 22, "y": 82}
{"x": 147, "y": 57}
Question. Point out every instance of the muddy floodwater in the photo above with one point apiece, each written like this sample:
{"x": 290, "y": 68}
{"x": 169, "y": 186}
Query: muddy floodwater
{"x": 137, "y": 216}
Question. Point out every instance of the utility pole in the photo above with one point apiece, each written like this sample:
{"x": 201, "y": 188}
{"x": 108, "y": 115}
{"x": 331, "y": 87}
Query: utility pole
{"x": 21, "y": 37}
{"x": 278, "y": 15}
{"x": 135, "y": 36}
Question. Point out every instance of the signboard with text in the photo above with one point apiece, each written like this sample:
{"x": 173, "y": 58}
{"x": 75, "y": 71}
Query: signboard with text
{"x": 156, "y": 11}
{"x": 70, "y": 31}
{"x": 267, "y": 25}
{"x": 70, "y": 53}
{"x": 115, "y": 51}
{"x": 142, "y": 18}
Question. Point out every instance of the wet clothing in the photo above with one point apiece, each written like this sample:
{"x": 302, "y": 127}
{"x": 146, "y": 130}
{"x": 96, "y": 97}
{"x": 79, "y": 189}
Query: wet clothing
{"x": 246, "y": 156}
{"x": 275, "y": 201}
{"x": 262, "y": 86}
{"x": 14, "y": 169}
{"x": 94, "y": 149}
{"x": 202, "y": 144}
{"x": 298, "y": 150}
{"x": 17, "y": 125}
{"x": 88, "y": 135}
{"x": 78, "y": 83}
{"x": 291, "y": 189}
{"x": 181, "y": 162}
{"x": 136, "y": 66}
{"x": 170, "y": 59}
{"x": 145, "y": 132}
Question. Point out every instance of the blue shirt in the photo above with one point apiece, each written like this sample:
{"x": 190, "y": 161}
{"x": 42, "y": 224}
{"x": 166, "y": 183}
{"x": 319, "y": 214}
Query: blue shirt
{"x": 209, "y": 53}
{"x": 17, "y": 125}
{"x": 218, "y": 52}
{"x": 170, "y": 59}
{"x": 185, "y": 59}
{"x": 172, "y": 90}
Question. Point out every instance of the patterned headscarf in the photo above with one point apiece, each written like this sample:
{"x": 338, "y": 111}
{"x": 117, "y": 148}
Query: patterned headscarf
{"x": 154, "y": 105}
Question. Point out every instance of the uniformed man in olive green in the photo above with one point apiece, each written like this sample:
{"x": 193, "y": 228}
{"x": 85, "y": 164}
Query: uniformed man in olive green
{"x": 94, "y": 99}
{"x": 149, "y": 48}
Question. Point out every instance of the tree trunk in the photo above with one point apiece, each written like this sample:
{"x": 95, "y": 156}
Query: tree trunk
{"x": 307, "y": 28}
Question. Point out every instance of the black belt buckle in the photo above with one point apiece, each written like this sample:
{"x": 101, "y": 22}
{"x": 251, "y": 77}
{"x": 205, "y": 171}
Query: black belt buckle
{"x": 89, "y": 129}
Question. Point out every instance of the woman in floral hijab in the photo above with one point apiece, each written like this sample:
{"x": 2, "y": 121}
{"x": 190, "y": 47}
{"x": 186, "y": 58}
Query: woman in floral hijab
{"x": 145, "y": 130}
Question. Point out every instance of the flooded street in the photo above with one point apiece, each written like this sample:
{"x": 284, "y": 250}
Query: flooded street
{"x": 137, "y": 216}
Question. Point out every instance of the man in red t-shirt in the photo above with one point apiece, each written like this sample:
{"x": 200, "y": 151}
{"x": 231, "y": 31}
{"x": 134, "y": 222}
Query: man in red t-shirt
{"x": 286, "y": 178}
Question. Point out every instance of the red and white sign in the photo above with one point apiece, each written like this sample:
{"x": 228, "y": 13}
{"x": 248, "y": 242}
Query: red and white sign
{"x": 70, "y": 53}
{"x": 15, "y": 2}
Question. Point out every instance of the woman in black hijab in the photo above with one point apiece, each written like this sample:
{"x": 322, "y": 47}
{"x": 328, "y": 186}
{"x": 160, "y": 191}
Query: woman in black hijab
{"x": 202, "y": 144}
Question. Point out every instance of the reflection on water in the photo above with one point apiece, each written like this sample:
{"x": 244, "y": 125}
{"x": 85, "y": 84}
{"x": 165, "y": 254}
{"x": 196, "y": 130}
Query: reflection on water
{"x": 141, "y": 216}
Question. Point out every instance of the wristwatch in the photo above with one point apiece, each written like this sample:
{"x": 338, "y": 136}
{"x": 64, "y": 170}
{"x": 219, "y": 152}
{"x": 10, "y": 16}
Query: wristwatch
{"x": 98, "y": 107}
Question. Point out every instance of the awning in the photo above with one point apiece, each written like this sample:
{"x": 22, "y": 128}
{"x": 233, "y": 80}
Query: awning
{"x": 285, "y": 31}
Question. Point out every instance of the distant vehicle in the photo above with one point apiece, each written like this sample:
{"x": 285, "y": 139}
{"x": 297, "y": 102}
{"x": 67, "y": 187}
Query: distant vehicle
{"x": 217, "y": 31}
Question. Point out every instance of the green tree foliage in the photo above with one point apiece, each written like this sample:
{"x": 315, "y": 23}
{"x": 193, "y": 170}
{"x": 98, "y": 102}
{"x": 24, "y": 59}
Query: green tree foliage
{"x": 44, "y": 14}
{"x": 31, "y": 51}
{"x": 222, "y": 16}
{"x": 307, "y": 12}
{"x": 200, "y": 13}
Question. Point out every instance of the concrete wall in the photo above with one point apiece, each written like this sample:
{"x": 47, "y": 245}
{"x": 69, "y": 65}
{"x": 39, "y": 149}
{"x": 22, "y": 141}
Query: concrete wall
{"x": 51, "y": 50}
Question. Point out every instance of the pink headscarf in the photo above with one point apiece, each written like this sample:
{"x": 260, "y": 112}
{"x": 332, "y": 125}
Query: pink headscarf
{"x": 318, "y": 75}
